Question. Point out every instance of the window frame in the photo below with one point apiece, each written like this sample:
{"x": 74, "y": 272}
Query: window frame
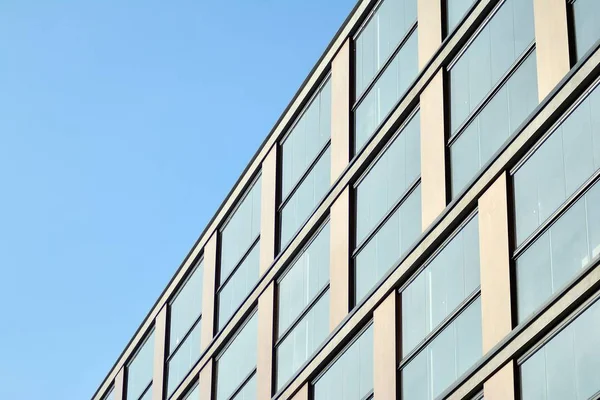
{"x": 150, "y": 332}
{"x": 446, "y": 32}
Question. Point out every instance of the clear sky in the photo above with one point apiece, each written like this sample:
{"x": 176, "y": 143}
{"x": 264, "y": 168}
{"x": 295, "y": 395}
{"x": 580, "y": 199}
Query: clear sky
{"x": 123, "y": 125}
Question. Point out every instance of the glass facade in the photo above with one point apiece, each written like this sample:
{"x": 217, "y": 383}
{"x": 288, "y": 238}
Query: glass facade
{"x": 586, "y": 30}
{"x": 388, "y": 208}
{"x": 140, "y": 371}
{"x": 567, "y": 365}
{"x": 493, "y": 88}
{"x": 350, "y": 377}
{"x": 239, "y": 255}
{"x": 455, "y": 11}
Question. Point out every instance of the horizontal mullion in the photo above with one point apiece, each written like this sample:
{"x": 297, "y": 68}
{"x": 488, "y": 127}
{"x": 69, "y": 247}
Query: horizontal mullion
{"x": 304, "y": 175}
{"x": 410, "y": 190}
{"x": 369, "y": 396}
{"x": 470, "y": 299}
{"x": 302, "y": 314}
{"x": 557, "y": 214}
{"x": 234, "y": 270}
{"x": 145, "y": 390}
{"x": 384, "y": 67}
{"x": 241, "y": 385}
{"x": 183, "y": 339}
{"x": 495, "y": 89}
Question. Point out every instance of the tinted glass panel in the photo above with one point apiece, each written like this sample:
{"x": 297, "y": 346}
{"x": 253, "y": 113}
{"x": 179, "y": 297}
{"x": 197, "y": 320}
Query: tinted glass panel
{"x": 455, "y": 10}
{"x": 306, "y": 197}
{"x": 380, "y": 37}
{"x": 183, "y": 359}
{"x": 248, "y": 392}
{"x": 586, "y": 27}
{"x": 351, "y": 376}
{"x": 559, "y": 254}
{"x": 491, "y": 54}
{"x": 306, "y": 139}
{"x": 241, "y": 231}
{"x": 194, "y": 394}
{"x": 238, "y": 361}
{"x": 446, "y": 358}
{"x": 185, "y": 309}
{"x": 567, "y": 366}
{"x": 386, "y": 92}
{"x": 566, "y": 159}
{"x": 497, "y": 120}
{"x": 392, "y": 240}
{"x": 442, "y": 286}
{"x": 393, "y": 173}
{"x": 140, "y": 370}
{"x": 237, "y": 288}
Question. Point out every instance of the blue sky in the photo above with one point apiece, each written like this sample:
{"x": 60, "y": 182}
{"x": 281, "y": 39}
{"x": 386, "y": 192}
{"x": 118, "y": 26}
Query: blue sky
{"x": 123, "y": 125}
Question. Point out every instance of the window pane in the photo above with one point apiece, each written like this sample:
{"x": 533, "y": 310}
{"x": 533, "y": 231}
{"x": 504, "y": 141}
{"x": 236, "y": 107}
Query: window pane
{"x": 441, "y": 287}
{"x": 493, "y": 125}
{"x": 559, "y": 254}
{"x": 194, "y": 394}
{"x": 306, "y": 198}
{"x": 238, "y": 361}
{"x": 455, "y": 10}
{"x": 499, "y": 44}
{"x": 303, "y": 340}
{"x": 587, "y": 29}
{"x": 241, "y": 231}
{"x": 566, "y": 159}
{"x": 232, "y": 294}
{"x": 448, "y": 356}
{"x": 386, "y": 92}
{"x": 380, "y": 37}
{"x": 184, "y": 359}
{"x": 392, "y": 240}
{"x": 140, "y": 370}
{"x": 185, "y": 309}
{"x": 304, "y": 280}
{"x": 248, "y": 392}
{"x": 306, "y": 139}
{"x": 388, "y": 179}
{"x": 351, "y": 376}
{"x": 567, "y": 366}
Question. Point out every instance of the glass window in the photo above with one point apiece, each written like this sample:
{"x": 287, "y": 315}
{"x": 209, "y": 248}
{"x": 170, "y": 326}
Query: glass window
{"x": 586, "y": 28}
{"x": 306, "y": 164}
{"x": 455, "y": 10}
{"x": 447, "y": 281}
{"x": 140, "y": 371}
{"x": 350, "y": 377}
{"x": 239, "y": 270}
{"x": 556, "y": 256}
{"x": 194, "y": 394}
{"x": 184, "y": 328}
{"x": 444, "y": 359}
{"x": 483, "y": 115}
{"x": 237, "y": 365}
{"x": 562, "y": 163}
{"x": 567, "y": 366}
{"x": 303, "y": 307}
{"x": 388, "y": 208}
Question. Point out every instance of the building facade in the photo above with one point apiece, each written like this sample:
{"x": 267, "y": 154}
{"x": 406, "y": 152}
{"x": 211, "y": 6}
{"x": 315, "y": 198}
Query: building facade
{"x": 423, "y": 222}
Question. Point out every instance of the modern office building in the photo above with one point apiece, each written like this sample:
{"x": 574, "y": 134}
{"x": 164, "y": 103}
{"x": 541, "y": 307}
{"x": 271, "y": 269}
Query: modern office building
{"x": 423, "y": 222}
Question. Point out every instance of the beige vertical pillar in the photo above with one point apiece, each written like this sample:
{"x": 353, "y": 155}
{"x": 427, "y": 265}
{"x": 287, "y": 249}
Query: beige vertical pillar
{"x": 551, "y": 43}
{"x": 302, "y": 394}
{"x": 385, "y": 350}
{"x": 433, "y": 150}
{"x": 208, "y": 291}
{"x": 339, "y": 258}
{"x": 268, "y": 209}
{"x": 501, "y": 385}
{"x": 205, "y": 381}
{"x": 340, "y": 111}
{"x": 119, "y": 389}
{"x": 429, "y": 15}
{"x": 495, "y": 263}
{"x": 264, "y": 362}
{"x": 160, "y": 341}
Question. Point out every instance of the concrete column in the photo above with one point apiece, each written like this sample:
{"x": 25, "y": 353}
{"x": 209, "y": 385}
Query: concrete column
{"x": 551, "y": 42}
{"x": 501, "y": 385}
{"x": 495, "y": 263}
{"x": 119, "y": 390}
{"x": 340, "y": 111}
{"x": 268, "y": 210}
{"x": 339, "y": 261}
{"x": 386, "y": 349}
{"x": 433, "y": 150}
{"x": 208, "y": 292}
{"x": 264, "y": 362}
{"x": 429, "y": 15}
{"x": 205, "y": 381}
{"x": 160, "y": 341}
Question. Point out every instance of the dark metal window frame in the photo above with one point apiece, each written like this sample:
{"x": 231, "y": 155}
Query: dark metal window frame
{"x": 446, "y": 32}
{"x": 128, "y": 365}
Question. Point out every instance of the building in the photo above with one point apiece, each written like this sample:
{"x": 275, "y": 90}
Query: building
{"x": 422, "y": 222}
